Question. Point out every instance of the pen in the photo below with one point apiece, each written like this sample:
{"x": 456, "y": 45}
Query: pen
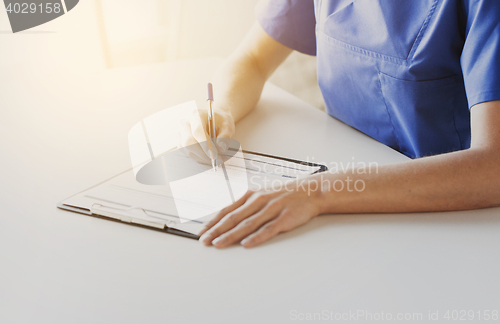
{"x": 211, "y": 127}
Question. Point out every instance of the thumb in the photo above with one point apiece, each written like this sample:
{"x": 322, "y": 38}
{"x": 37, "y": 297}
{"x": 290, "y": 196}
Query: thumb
{"x": 224, "y": 139}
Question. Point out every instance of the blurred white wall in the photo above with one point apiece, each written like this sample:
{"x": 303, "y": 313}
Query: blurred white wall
{"x": 149, "y": 31}
{"x": 137, "y": 32}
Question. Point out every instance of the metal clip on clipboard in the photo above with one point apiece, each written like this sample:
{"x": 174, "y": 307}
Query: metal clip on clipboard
{"x": 129, "y": 215}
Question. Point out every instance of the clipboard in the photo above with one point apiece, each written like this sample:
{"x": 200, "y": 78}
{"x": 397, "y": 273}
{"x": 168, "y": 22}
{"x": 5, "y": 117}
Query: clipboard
{"x": 140, "y": 216}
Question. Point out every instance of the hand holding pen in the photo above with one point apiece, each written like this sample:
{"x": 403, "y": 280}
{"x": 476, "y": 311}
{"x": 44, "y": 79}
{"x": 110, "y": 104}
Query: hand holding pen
{"x": 202, "y": 132}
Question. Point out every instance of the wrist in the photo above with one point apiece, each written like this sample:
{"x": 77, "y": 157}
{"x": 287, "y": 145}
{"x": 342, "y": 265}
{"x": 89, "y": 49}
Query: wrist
{"x": 323, "y": 198}
{"x": 329, "y": 194}
{"x": 316, "y": 191}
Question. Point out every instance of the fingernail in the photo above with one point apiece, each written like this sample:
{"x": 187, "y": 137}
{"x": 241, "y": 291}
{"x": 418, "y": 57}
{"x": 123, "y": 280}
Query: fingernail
{"x": 206, "y": 238}
{"x": 245, "y": 242}
{"x": 218, "y": 241}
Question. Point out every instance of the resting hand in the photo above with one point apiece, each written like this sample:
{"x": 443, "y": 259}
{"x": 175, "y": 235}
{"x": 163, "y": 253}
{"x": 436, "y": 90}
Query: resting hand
{"x": 260, "y": 215}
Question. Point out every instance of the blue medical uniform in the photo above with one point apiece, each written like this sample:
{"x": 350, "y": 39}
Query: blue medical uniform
{"x": 404, "y": 72}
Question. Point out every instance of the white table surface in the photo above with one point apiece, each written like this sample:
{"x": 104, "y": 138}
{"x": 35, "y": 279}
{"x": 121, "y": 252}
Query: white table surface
{"x": 62, "y": 135}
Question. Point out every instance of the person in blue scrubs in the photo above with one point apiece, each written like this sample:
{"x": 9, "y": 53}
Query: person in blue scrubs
{"x": 419, "y": 76}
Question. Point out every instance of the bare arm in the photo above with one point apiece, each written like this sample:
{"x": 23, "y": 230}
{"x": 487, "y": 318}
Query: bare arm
{"x": 238, "y": 85}
{"x": 240, "y": 79}
{"x": 459, "y": 180}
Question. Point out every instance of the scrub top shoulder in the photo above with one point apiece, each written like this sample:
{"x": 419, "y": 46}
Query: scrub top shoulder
{"x": 403, "y": 72}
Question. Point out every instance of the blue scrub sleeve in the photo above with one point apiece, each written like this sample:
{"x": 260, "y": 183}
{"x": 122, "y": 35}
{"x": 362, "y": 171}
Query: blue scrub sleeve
{"x": 481, "y": 53}
{"x": 290, "y": 22}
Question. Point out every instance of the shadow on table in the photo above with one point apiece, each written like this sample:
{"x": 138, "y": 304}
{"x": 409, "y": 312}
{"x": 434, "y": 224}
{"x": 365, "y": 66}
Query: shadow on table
{"x": 466, "y": 217}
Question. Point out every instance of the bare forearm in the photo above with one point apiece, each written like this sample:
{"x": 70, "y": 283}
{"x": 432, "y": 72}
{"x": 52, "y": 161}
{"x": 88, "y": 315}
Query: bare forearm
{"x": 455, "y": 181}
{"x": 240, "y": 79}
{"x": 238, "y": 85}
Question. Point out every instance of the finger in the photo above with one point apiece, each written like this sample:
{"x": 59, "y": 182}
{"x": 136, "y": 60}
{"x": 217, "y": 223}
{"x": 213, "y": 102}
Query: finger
{"x": 225, "y": 211}
{"x": 224, "y": 134}
{"x": 250, "y": 207}
{"x": 223, "y": 144}
{"x": 249, "y": 225}
{"x": 229, "y": 221}
{"x": 196, "y": 157}
{"x": 264, "y": 234}
{"x": 195, "y": 151}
